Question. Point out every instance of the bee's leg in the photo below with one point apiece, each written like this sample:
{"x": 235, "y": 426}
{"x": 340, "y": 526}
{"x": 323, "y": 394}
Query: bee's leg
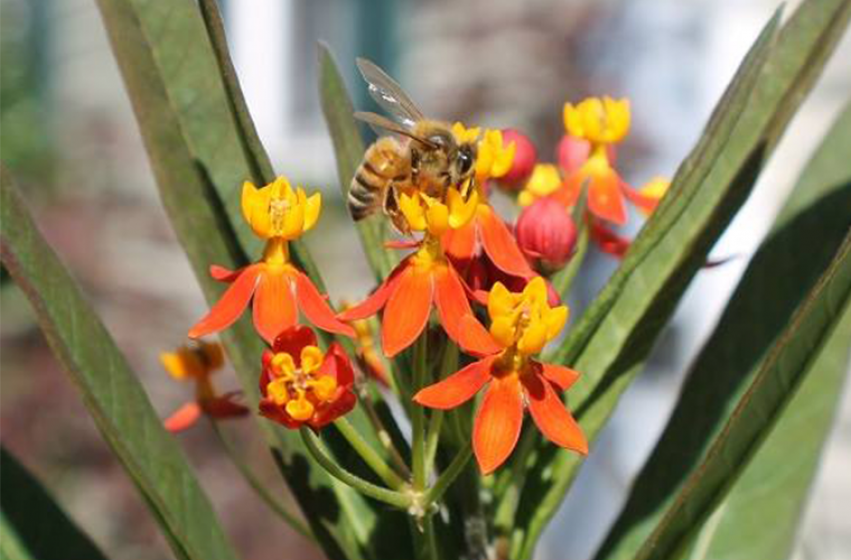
{"x": 415, "y": 165}
{"x": 390, "y": 204}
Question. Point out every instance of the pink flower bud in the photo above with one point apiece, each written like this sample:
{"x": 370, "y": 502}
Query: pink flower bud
{"x": 572, "y": 152}
{"x": 525, "y": 158}
{"x": 546, "y": 234}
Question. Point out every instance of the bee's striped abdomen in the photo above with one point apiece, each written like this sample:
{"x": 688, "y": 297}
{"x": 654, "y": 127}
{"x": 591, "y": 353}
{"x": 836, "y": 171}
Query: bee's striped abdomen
{"x": 382, "y": 164}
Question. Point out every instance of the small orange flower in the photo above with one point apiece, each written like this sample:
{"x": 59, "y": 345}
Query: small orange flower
{"x": 197, "y": 363}
{"x": 276, "y": 213}
{"x": 521, "y": 325}
{"x": 422, "y": 280}
{"x": 301, "y": 385}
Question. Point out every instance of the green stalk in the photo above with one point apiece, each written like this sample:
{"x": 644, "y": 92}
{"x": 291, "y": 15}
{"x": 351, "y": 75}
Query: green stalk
{"x": 418, "y": 413}
{"x": 314, "y": 447}
{"x": 448, "y": 366}
{"x": 276, "y": 506}
{"x": 368, "y": 454}
{"x": 563, "y": 279}
{"x": 448, "y": 476}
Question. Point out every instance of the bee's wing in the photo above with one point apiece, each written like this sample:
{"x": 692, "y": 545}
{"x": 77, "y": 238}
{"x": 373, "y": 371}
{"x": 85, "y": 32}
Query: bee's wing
{"x": 388, "y": 94}
{"x": 382, "y": 124}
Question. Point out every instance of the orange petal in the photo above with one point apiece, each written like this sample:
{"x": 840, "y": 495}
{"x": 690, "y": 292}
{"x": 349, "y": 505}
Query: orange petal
{"x": 501, "y": 246}
{"x": 317, "y": 310}
{"x": 274, "y": 305}
{"x": 451, "y": 300}
{"x": 474, "y": 338}
{"x": 608, "y": 241}
{"x": 646, "y": 204}
{"x": 222, "y": 274}
{"x": 605, "y": 199}
{"x": 373, "y": 304}
{"x": 498, "y": 423}
{"x": 562, "y": 376}
{"x": 231, "y": 305}
{"x": 185, "y": 417}
{"x": 551, "y": 416}
{"x": 407, "y": 311}
{"x": 460, "y": 243}
{"x": 458, "y": 388}
{"x": 568, "y": 193}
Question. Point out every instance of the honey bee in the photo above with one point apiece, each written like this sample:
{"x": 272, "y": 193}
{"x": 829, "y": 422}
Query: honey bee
{"x": 424, "y": 155}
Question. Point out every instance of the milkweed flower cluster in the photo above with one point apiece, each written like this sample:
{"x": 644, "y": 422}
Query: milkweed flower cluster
{"x": 465, "y": 263}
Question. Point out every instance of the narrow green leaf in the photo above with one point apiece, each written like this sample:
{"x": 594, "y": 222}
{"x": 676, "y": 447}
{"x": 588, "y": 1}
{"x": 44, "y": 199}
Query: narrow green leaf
{"x": 33, "y": 524}
{"x": 349, "y": 149}
{"x": 805, "y": 237}
{"x": 193, "y": 191}
{"x": 110, "y": 390}
{"x": 759, "y": 408}
{"x": 614, "y": 337}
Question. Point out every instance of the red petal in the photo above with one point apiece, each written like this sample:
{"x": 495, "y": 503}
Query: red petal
{"x": 224, "y": 406}
{"x": 277, "y": 414}
{"x": 474, "y": 338}
{"x": 343, "y": 404}
{"x": 501, "y": 246}
{"x": 551, "y": 416}
{"x": 185, "y": 417}
{"x": 605, "y": 198}
{"x": 231, "y": 305}
{"x": 274, "y": 304}
{"x": 373, "y": 304}
{"x": 451, "y": 301}
{"x": 222, "y": 274}
{"x": 291, "y": 341}
{"x": 562, "y": 376}
{"x": 317, "y": 310}
{"x": 407, "y": 311}
{"x": 498, "y": 423}
{"x": 338, "y": 365}
{"x": 458, "y": 388}
{"x": 608, "y": 241}
{"x": 461, "y": 243}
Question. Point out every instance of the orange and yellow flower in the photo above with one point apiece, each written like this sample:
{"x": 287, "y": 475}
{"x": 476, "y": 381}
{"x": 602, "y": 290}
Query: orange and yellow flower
{"x": 197, "y": 363}
{"x": 301, "y": 385}
{"x": 422, "y": 280}
{"x": 277, "y": 213}
{"x": 521, "y": 325}
{"x": 647, "y": 198}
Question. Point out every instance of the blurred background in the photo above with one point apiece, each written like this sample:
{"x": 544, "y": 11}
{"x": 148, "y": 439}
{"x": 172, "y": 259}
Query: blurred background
{"x": 69, "y": 136}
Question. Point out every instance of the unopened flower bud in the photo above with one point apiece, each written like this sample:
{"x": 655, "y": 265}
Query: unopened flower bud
{"x": 546, "y": 234}
{"x": 573, "y": 152}
{"x": 525, "y": 157}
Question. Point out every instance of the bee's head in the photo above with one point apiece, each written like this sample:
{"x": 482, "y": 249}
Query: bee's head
{"x": 465, "y": 162}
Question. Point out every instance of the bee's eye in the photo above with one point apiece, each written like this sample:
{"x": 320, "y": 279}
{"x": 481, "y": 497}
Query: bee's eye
{"x": 465, "y": 160}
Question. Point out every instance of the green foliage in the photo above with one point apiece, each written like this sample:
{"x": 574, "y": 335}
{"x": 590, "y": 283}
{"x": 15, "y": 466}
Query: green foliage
{"x": 110, "y": 390}
{"x": 32, "y": 525}
{"x": 803, "y": 241}
{"x": 613, "y": 338}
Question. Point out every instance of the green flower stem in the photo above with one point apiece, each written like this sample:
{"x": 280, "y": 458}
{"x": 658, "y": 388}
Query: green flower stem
{"x": 262, "y": 491}
{"x": 383, "y": 433}
{"x": 368, "y": 454}
{"x": 509, "y": 493}
{"x": 447, "y": 477}
{"x": 425, "y": 539}
{"x": 418, "y": 413}
{"x": 448, "y": 366}
{"x": 314, "y": 447}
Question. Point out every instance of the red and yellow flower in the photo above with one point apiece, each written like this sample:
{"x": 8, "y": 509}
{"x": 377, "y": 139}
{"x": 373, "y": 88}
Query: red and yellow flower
{"x": 277, "y": 213}
{"x": 303, "y": 386}
{"x": 521, "y": 325}
{"x": 197, "y": 363}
